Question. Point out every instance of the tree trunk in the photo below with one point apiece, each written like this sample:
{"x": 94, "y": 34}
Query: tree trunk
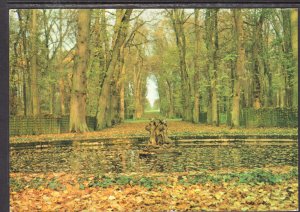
{"x": 122, "y": 24}
{"x": 26, "y": 71}
{"x": 33, "y": 64}
{"x": 62, "y": 96}
{"x": 214, "y": 104}
{"x": 137, "y": 89}
{"x": 212, "y": 46}
{"x": 257, "y": 48}
{"x": 268, "y": 91}
{"x": 115, "y": 102}
{"x": 14, "y": 95}
{"x": 122, "y": 89}
{"x": 171, "y": 99}
{"x": 239, "y": 66}
{"x": 196, "y": 107}
{"x": 294, "y": 34}
{"x": 52, "y": 98}
{"x": 209, "y": 109}
{"x": 278, "y": 99}
{"x": 282, "y": 98}
{"x": 108, "y": 109}
{"x": 215, "y": 107}
{"x": 116, "y": 88}
{"x": 288, "y": 52}
{"x": 294, "y": 26}
{"x": 103, "y": 49}
{"x": 61, "y": 81}
{"x": 79, "y": 86}
{"x": 177, "y": 17}
{"x": 138, "y": 112}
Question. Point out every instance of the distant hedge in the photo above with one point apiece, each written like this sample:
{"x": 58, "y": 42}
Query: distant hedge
{"x": 270, "y": 117}
{"x": 264, "y": 117}
{"x": 28, "y": 125}
{"x": 249, "y": 117}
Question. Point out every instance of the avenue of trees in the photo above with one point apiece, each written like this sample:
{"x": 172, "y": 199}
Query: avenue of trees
{"x": 96, "y": 62}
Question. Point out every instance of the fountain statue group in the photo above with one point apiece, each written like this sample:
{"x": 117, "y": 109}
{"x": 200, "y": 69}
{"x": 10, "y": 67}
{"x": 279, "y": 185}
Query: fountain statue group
{"x": 158, "y": 130}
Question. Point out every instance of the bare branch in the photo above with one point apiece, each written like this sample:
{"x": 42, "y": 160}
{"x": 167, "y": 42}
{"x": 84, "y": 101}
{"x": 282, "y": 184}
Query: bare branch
{"x": 136, "y": 17}
{"x": 185, "y": 20}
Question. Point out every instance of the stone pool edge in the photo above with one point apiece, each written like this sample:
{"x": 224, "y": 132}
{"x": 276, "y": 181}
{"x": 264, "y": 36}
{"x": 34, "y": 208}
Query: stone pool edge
{"x": 173, "y": 137}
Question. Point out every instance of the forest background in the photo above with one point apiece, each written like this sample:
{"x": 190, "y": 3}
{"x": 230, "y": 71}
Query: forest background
{"x": 207, "y": 64}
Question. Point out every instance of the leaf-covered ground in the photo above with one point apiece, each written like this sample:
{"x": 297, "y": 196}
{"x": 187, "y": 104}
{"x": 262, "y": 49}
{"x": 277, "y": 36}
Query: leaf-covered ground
{"x": 255, "y": 190}
{"x": 175, "y": 128}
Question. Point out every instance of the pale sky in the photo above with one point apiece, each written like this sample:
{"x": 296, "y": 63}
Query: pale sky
{"x": 152, "y": 93}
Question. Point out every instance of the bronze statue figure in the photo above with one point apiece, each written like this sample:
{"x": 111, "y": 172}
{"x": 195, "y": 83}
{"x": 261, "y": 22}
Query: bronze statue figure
{"x": 158, "y": 132}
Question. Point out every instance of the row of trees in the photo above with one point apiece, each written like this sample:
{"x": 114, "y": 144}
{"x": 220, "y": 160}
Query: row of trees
{"x": 227, "y": 60}
{"x": 96, "y": 62}
{"x": 74, "y": 63}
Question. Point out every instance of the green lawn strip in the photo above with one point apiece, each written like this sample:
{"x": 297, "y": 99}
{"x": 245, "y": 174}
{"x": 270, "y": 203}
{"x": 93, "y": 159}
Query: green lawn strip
{"x": 251, "y": 177}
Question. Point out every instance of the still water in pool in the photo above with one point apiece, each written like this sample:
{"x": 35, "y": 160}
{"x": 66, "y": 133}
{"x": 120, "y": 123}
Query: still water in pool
{"x": 131, "y": 156}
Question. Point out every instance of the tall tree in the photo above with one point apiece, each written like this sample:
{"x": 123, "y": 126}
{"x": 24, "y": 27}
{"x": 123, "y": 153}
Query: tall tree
{"x": 289, "y": 62}
{"x": 280, "y": 91}
{"x": 256, "y": 54}
{"x": 268, "y": 74}
{"x": 61, "y": 82}
{"x": 239, "y": 66}
{"x": 196, "y": 107}
{"x": 33, "y": 64}
{"x": 23, "y": 20}
{"x": 212, "y": 45}
{"x": 121, "y": 28}
{"x": 163, "y": 63}
{"x": 122, "y": 84}
{"x": 78, "y": 95}
{"x": 294, "y": 34}
{"x": 15, "y": 34}
{"x": 178, "y": 18}
{"x": 138, "y": 81}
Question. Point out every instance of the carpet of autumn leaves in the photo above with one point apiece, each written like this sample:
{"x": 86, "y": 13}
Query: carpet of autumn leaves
{"x": 175, "y": 128}
{"x": 74, "y": 195}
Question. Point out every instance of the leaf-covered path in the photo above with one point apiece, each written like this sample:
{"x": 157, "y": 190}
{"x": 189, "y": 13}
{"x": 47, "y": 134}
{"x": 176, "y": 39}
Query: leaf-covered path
{"x": 176, "y": 128}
